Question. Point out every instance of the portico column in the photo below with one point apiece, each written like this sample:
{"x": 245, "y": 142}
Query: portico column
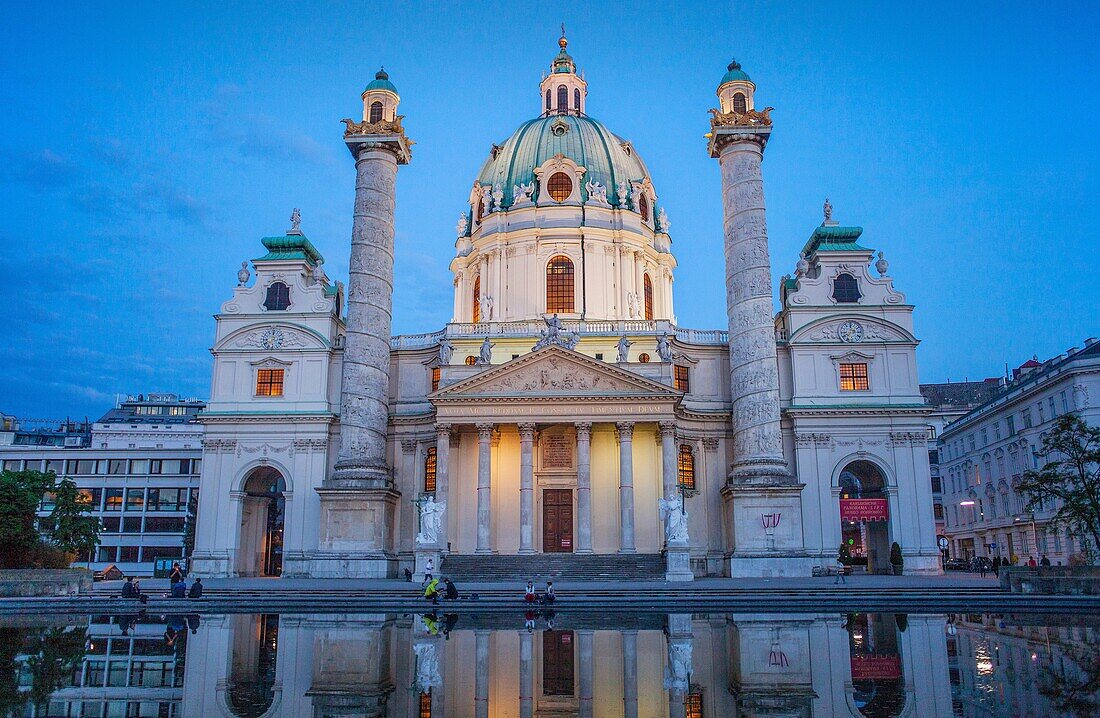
{"x": 526, "y": 700}
{"x": 484, "y": 499}
{"x": 526, "y": 488}
{"x": 630, "y": 674}
{"x": 668, "y": 457}
{"x": 584, "y": 487}
{"x": 625, "y": 432}
{"x": 442, "y": 471}
{"x": 584, "y": 659}
{"x": 481, "y": 674}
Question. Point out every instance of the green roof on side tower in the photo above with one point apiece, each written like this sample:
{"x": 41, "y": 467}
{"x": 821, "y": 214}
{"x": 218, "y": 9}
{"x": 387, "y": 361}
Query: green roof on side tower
{"x": 381, "y": 81}
{"x": 834, "y": 238}
{"x": 292, "y": 246}
{"x": 734, "y": 73}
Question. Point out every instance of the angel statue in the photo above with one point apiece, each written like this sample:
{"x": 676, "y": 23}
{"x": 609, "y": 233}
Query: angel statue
{"x": 597, "y": 193}
{"x": 463, "y": 222}
{"x": 624, "y": 347}
{"x": 632, "y": 304}
{"x": 672, "y": 511}
{"x": 431, "y": 520}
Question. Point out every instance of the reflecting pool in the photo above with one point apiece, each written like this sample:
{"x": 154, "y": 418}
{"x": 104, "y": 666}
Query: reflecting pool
{"x": 543, "y": 663}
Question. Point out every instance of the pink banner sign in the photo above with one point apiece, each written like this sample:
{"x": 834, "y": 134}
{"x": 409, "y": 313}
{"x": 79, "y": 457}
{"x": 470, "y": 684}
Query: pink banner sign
{"x": 868, "y": 668}
{"x": 864, "y": 510}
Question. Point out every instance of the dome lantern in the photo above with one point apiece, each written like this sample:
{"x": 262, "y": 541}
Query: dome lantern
{"x": 380, "y": 99}
{"x": 736, "y": 89}
{"x": 563, "y": 91}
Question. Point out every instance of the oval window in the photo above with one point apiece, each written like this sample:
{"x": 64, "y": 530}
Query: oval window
{"x": 560, "y": 186}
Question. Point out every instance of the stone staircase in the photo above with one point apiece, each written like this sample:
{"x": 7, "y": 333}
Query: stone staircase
{"x": 560, "y": 566}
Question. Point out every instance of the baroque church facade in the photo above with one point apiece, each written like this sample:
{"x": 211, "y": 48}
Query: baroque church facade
{"x": 563, "y": 410}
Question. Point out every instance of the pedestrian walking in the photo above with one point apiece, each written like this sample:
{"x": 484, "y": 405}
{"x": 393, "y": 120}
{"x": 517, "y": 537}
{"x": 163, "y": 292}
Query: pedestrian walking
{"x": 981, "y": 568}
{"x": 429, "y": 569}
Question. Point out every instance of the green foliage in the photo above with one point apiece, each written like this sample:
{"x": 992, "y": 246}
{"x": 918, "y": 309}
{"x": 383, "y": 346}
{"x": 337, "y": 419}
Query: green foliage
{"x": 1070, "y": 478}
{"x": 51, "y": 655}
{"x": 844, "y": 555}
{"x": 895, "y": 555}
{"x": 26, "y": 542}
{"x": 189, "y": 527}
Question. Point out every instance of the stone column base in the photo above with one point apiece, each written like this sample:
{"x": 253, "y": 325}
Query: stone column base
{"x": 771, "y": 565}
{"x": 922, "y": 565}
{"x": 678, "y": 564}
{"x": 211, "y": 564}
{"x": 357, "y": 533}
{"x": 765, "y": 519}
{"x": 421, "y": 560}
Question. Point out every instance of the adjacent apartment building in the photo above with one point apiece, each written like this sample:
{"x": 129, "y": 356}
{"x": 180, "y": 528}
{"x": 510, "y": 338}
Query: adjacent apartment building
{"x": 138, "y": 466}
{"x": 984, "y": 453}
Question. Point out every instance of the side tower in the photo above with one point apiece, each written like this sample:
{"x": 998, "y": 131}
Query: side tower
{"x": 358, "y": 500}
{"x": 762, "y": 498}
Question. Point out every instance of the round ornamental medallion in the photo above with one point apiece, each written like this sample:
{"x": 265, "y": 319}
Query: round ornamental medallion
{"x": 272, "y": 338}
{"x": 850, "y": 332}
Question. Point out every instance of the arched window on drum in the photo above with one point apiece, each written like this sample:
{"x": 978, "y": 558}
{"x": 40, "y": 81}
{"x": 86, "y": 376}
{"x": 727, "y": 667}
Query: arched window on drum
{"x": 559, "y": 285}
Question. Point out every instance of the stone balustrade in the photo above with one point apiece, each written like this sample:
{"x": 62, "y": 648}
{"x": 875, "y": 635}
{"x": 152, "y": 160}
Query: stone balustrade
{"x": 534, "y": 328}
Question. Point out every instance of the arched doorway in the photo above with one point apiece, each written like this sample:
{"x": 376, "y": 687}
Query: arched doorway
{"x": 250, "y": 690}
{"x": 878, "y": 688}
{"x": 261, "y": 546}
{"x": 864, "y": 516}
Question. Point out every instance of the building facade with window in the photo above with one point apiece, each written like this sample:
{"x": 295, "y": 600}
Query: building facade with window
{"x": 984, "y": 454}
{"x": 563, "y": 402}
{"x": 138, "y": 466}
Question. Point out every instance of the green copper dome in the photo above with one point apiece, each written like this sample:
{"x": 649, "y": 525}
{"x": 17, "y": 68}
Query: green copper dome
{"x": 734, "y": 73}
{"x": 608, "y": 158}
{"x": 381, "y": 81}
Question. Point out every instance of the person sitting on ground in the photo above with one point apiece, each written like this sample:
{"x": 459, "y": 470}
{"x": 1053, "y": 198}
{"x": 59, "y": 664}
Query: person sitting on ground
{"x": 1044, "y": 561}
{"x": 408, "y": 575}
{"x": 431, "y": 591}
{"x": 451, "y": 591}
{"x": 176, "y": 574}
{"x": 549, "y": 596}
{"x": 131, "y": 589}
{"x": 196, "y": 589}
{"x": 529, "y": 594}
{"x": 179, "y": 589}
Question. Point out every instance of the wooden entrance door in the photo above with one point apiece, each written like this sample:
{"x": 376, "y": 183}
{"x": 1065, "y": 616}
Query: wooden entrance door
{"x": 557, "y": 520}
{"x": 557, "y": 663}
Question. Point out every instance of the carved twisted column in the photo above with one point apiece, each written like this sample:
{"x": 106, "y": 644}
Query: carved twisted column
{"x": 484, "y": 499}
{"x": 754, "y": 373}
{"x": 625, "y": 432}
{"x": 364, "y": 402}
{"x": 584, "y": 487}
{"x": 526, "y": 488}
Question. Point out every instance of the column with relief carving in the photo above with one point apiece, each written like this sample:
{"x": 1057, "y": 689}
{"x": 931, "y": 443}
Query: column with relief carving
{"x": 584, "y": 486}
{"x": 760, "y": 486}
{"x": 358, "y": 500}
{"x": 624, "y": 430}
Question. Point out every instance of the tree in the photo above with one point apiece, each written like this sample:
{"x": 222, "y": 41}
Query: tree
{"x": 72, "y": 527}
{"x": 1070, "y": 479}
{"x": 21, "y": 493}
{"x": 26, "y": 541}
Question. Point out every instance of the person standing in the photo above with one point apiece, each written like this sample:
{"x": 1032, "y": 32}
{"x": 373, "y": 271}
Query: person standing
{"x": 176, "y": 574}
{"x": 1031, "y": 561}
{"x": 981, "y": 567}
{"x": 429, "y": 569}
{"x": 1044, "y": 561}
{"x": 840, "y": 573}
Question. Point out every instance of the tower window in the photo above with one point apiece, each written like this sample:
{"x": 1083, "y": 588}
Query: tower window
{"x": 435, "y": 378}
{"x": 680, "y": 379}
{"x": 269, "y": 382}
{"x": 686, "y": 466}
{"x": 477, "y": 299}
{"x": 846, "y": 289}
{"x": 577, "y": 99}
{"x": 559, "y": 284}
{"x": 429, "y": 471}
{"x": 278, "y": 297}
{"x": 643, "y": 207}
{"x": 740, "y": 105}
{"x": 548, "y": 106}
{"x": 560, "y": 186}
{"x": 853, "y": 377}
{"x": 647, "y": 291}
{"x": 563, "y": 98}
{"x": 375, "y": 112}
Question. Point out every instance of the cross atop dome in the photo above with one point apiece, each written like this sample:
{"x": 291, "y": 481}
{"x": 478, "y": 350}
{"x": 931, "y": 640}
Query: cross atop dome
{"x": 563, "y": 90}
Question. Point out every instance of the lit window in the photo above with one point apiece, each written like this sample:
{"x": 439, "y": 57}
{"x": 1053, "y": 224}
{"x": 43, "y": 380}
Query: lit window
{"x": 278, "y": 297}
{"x": 269, "y": 382}
{"x": 560, "y": 186}
{"x": 376, "y": 112}
{"x": 425, "y": 707}
{"x": 559, "y": 284}
{"x": 563, "y": 98}
{"x": 740, "y": 104}
{"x": 647, "y": 291}
{"x": 846, "y": 289}
{"x": 435, "y": 378}
{"x": 680, "y": 379}
{"x": 643, "y": 358}
{"x": 686, "y": 467}
{"x": 693, "y": 705}
{"x": 429, "y": 471}
{"x": 643, "y": 207}
{"x": 471, "y": 360}
{"x": 477, "y": 299}
{"x": 853, "y": 377}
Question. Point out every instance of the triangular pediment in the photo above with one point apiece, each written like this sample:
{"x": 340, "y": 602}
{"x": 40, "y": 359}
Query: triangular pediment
{"x": 556, "y": 372}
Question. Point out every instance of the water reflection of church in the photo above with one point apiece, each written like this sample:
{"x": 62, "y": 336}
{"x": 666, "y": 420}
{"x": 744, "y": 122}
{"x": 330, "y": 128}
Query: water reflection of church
{"x": 679, "y": 665}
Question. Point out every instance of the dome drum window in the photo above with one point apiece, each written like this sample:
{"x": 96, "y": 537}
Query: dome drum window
{"x": 643, "y": 207}
{"x": 563, "y": 99}
{"x": 559, "y": 186}
{"x": 559, "y": 286}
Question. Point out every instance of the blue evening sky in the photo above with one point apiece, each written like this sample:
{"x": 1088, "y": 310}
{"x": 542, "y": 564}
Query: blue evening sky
{"x": 145, "y": 150}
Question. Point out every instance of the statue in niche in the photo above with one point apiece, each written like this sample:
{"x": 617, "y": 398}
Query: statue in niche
{"x": 624, "y": 348}
{"x": 485, "y": 358}
{"x": 431, "y": 521}
{"x": 632, "y": 304}
{"x": 486, "y": 303}
{"x": 672, "y": 511}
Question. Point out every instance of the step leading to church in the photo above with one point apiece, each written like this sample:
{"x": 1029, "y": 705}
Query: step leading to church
{"x": 540, "y": 567}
